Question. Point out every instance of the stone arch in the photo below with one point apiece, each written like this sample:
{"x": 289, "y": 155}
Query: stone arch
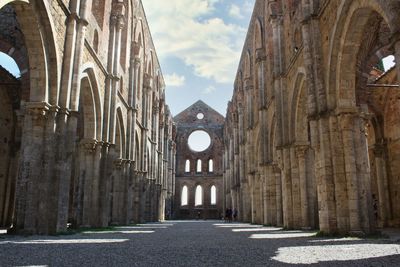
{"x": 96, "y": 41}
{"x": 137, "y": 152}
{"x": 185, "y": 195}
{"x": 9, "y": 149}
{"x": 124, "y": 59}
{"x": 213, "y": 194}
{"x": 91, "y": 93}
{"x": 298, "y": 103}
{"x": 247, "y": 65}
{"x": 150, "y": 64}
{"x": 258, "y": 34}
{"x": 120, "y": 135}
{"x": 345, "y": 43}
{"x": 199, "y": 195}
{"x": 38, "y": 31}
{"x": 98, "y": 10}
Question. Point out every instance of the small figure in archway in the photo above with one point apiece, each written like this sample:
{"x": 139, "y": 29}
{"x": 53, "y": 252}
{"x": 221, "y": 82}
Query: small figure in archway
{"x": 235, "y": 214}
{"x": 227, "y": 215}
{"x": 198, "y": 215}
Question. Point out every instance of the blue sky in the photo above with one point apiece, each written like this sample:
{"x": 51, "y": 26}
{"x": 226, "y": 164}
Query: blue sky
{"x": 198, "y": 43}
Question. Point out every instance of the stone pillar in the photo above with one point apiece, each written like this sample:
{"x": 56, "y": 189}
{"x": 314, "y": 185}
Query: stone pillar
{"x": 130, "y": 192}
{"x": 296, "y": 189}
{"x": 30, "y": 168}
{"x": 347, "y": 128}
{"x": 301, "y": 156}
{"x": 279, "y": 198}
{"x": 383, "y": 185}
{"x": 96, "y": 196}
{"x": 89, "y": 147}
{"x": 363, "y": 172}
{"x": 287, "y": 190}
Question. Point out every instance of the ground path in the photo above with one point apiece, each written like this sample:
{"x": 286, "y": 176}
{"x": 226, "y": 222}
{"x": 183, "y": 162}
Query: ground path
{"x": 196, "y": 243}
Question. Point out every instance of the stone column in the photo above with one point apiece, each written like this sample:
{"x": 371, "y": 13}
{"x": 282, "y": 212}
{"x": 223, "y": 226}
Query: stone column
{"x": 347, "y": 128}
{"x": 279, "y": 198}
{"x": 130, "y": 192}
{"x": 363, "y": 172}
{"x": 88, "y": 147}
{"x": 30, "y": 168}
{"x": 96, "y": 196}
{"x": 296, "y": 188}
{"x": 118, "y": 192}
{"x": 301, "y": 156}
{"x": 287, "y": 193}
{"x": 383, "y": 185}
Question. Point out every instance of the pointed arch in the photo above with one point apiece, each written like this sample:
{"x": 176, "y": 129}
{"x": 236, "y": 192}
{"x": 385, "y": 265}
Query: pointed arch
{"x": 89, "y": 82}
{"x": 346, "y": 40}
{"x": 213, "y": 195}
{"x": 185, "y": 196}
{"x": 120, "y": 134}
{"x": 187, "y": 166}
{"x": 198, "y": 201}
{"x": 38, "y": 30}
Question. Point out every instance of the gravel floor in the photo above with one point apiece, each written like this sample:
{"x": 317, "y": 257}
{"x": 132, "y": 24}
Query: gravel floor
{"x": 196, "y": 243}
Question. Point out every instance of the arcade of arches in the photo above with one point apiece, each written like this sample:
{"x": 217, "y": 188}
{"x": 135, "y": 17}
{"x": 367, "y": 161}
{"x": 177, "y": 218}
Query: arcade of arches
{"x": 312, "y": 134}
{"x": 311, "y": 138}
{"x": 87, "y": 138}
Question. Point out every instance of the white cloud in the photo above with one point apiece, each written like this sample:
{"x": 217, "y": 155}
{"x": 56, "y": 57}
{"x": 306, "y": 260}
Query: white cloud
{"x": 209, "y": 90}
{"x": 235, "y": 12}
{"x": 186, "y": 29}
{"x": 174, "y": 80}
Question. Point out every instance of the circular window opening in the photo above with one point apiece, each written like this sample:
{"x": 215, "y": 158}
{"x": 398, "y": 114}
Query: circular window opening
{"x": 200, "y": 116}
{"x": 199, "y": 141}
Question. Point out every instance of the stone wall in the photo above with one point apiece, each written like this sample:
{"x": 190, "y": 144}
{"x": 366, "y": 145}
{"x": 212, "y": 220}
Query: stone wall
{"x": 187, "y": 122}
{"x": 91, "y": 137}
{"x": 308, "y": 139}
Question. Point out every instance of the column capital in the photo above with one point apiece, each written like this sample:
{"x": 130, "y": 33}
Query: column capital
{"x": 37, "y": 110}
{"x": 148, "y": 82}
{"x": 260, "y": 55}
{"x": 89, "y": 145}
{"x": 301, "y": 149}
{"x": 248, "y": 84}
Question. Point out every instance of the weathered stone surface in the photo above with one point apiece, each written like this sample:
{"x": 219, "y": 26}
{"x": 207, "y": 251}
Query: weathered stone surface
{"x": 86, "y": 139}
{"x": 311, "y": 133}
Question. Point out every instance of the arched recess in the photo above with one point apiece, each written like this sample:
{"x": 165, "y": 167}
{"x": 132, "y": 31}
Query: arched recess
{"x": 9, "y": 148}
{"x": 361, "y": 36}
{"x": 184, "y": 196}
{"x": 90, "y": 103}
{"x": 259, "y": 69}
{"x": 89, "y": 130}
{"x": 210, "y": 165}
{"x": 198, "y": 200}
{"x": 301, "y": 136}
{"x": 187, "y": 166}
{"x": 124, "y": 59}
{"x": 120, "y": 135}
{"x": 138, "y": 158}
{"x": 348, "y": 34}
{"x": 213, "y": 195}
{"x": 37, "y": 28}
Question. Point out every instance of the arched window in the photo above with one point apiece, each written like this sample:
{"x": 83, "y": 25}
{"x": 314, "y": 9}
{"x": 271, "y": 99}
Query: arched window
{"x": 198, "y": 196}
{"x": 198, "y": 166}
{"x": 184, "y": 196}
{"x": 187, "y": 166}
{"x": 213, "y": 195}
{"x": 210, "y": 165}
{"x": 96, "y": 41}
